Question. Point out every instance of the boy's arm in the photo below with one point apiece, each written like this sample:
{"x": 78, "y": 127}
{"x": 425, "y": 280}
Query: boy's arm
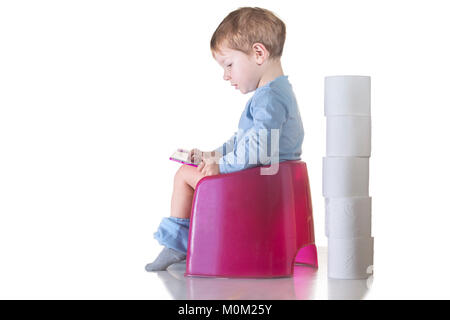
{"x": 225, "y": 148}
{"x": 196, "y": 154}
{"x": 268, "y": 113}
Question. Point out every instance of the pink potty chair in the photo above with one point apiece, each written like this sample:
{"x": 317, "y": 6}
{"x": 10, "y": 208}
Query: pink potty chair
{"x": 244, "y": 224}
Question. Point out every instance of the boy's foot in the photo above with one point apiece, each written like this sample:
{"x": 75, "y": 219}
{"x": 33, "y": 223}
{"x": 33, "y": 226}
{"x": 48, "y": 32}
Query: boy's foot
{"x": 166, "y": 258}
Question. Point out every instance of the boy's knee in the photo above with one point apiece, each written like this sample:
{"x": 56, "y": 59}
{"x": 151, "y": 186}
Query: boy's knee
{"x": 187, "y": 174}
{"x": 180, "y": 175}
{"x": 177, "y": 175}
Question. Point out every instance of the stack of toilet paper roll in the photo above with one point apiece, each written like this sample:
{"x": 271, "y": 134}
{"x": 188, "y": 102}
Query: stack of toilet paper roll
{"x": 348, "y": 207}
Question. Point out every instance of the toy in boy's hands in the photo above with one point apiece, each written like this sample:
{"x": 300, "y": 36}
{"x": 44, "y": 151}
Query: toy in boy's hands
{"x": 192, "y": 157}
{"x": 185, "y": 157}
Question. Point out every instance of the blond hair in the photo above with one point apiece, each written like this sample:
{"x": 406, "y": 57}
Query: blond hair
{"x": 246, "y": 26}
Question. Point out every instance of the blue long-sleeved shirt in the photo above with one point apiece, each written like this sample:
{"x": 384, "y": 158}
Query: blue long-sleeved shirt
{"x": 272, "y": 107}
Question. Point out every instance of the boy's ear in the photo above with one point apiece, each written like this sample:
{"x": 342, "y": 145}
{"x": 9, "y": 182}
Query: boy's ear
{"x": 260, "y": 52}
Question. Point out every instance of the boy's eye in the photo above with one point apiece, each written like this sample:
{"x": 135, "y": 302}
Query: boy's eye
{"x": 229, "y": 66}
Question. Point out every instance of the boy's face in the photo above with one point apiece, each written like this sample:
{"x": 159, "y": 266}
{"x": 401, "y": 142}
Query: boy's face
{"x": 239, "y": 68}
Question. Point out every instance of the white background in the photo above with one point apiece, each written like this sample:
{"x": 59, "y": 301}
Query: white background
{"x": 95, "y": 95}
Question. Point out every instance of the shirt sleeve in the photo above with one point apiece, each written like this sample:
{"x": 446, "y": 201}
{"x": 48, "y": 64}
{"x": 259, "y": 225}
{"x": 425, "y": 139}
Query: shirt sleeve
{"x": 268, "y": 113}
{"x": 228, "y": 146}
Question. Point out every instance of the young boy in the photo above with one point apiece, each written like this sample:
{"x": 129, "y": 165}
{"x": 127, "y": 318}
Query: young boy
{"x": 248, "y": 44}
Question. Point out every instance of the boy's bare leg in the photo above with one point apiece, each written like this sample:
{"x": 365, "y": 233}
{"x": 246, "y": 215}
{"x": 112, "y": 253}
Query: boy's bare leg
{"x": 184, "y": 184}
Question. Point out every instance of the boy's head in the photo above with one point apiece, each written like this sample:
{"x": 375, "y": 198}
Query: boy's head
{"x": 246, "y": 44}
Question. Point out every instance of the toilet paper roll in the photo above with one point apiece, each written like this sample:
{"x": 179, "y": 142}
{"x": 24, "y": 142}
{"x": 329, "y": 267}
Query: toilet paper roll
{"x": 348, "y": 136}
{"x": 345, "y": 177}
{"x": 345, "y": 289}
{"x": 347, "y": 218}
{"x": 350, "y": 258}
{"x": 347, "y": 95}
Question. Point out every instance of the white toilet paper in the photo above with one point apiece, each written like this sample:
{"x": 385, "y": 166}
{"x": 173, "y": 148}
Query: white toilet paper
{"x": 347, "y": 95}
{"x": 345, "y": 177}
{"x": 347, "y": 218}
{"x": 348, "y": 136}
{"x": 345, "y": 289}
{"x": 350, "y": 258}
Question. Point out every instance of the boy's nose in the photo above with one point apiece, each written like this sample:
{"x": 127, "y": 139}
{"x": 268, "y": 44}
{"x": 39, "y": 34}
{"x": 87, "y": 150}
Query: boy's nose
{"x": 226, "y": 77}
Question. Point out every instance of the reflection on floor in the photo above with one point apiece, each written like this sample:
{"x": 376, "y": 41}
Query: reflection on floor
{"x": 306, "y": 283}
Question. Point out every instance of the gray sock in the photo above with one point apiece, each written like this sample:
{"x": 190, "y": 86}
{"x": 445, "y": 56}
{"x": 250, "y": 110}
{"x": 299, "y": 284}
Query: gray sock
{"x": 166, "y": 258}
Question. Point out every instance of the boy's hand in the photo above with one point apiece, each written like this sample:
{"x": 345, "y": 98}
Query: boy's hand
{"x": 196, "y": 155}
{"x": 209, "y": 167}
